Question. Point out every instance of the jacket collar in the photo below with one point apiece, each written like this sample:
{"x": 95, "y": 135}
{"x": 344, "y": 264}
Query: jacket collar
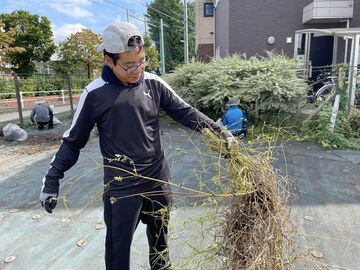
{"x": 108, "y": 76}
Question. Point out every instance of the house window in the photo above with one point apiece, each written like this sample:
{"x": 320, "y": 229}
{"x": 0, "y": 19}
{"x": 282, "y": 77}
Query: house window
{"x": 208, "y": 9}
{"x": 301, "y": 44}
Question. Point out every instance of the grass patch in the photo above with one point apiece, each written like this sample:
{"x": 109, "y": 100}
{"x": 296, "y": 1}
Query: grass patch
{"x": 291, "y": 128}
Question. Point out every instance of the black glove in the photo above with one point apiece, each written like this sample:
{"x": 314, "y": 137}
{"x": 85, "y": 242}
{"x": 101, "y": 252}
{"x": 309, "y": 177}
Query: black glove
{"x": 48, "y": 201}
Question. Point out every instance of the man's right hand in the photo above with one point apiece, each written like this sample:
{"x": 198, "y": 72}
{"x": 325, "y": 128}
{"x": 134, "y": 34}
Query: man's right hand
{"x": 48, "y": 201}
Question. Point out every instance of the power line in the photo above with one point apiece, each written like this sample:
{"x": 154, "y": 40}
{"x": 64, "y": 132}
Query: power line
{"x": 124, "y": 10}
{"x": 96, "y": 3}
{"x": 191, "y": 27}
{"x": 143, "y": 20}
{"x": 161, "y": 12}
{"x": 117, "y": 5}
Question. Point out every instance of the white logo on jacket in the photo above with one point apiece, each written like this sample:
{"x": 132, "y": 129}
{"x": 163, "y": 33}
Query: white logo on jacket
{"x": 147, "y": 94}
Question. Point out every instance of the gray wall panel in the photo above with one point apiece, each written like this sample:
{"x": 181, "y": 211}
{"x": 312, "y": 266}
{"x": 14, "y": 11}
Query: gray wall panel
{"x": 355, "y": 21}
{"x": 222, "y": 27}
{"x": 251, "y": 22}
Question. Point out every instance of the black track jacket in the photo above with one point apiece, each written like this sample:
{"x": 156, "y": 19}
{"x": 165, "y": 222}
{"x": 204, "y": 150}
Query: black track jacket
{"x": 127, "y": 118}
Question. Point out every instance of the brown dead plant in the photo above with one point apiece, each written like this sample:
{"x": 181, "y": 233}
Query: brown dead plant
{"x": 254, "y": 219}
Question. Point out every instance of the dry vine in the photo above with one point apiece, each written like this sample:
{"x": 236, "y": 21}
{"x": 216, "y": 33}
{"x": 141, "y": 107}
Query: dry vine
{"x": 254, "y": 217}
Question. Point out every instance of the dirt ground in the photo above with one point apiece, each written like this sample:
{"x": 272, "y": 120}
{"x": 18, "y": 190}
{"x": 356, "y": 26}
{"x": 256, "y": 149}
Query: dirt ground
{"x": 32, "y": 145}
{"x": 37, "y": 143}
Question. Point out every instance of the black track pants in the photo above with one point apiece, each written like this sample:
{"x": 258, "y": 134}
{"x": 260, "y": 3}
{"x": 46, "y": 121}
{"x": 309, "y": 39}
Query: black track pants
{"x": 122, "y": 216}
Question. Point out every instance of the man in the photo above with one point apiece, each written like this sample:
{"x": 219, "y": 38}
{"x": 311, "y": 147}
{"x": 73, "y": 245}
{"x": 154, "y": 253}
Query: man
{"x": 234, "y": 118}
{"x": 124, "y": 103}
{"x": 42, "y": 114}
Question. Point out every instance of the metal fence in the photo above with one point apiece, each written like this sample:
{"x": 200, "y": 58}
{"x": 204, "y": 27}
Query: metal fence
{"x": 51, "y": 97}
{"x": 19, "y": 93}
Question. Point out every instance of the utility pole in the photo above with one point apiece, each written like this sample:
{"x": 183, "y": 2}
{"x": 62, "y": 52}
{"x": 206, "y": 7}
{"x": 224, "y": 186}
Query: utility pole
{"x": 145, "y": 25}
{"x": 127, "y": 15}
{"x": 186, "y": 34}
{"x": 162, "y": 53}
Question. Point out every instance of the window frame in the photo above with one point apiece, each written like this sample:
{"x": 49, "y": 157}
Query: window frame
{"x": 205, "y": 9}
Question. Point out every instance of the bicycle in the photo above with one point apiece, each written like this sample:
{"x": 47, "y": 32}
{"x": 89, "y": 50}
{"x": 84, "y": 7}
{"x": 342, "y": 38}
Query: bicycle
{"x": 357, "y": 96}
{"x": 328, "y": 88}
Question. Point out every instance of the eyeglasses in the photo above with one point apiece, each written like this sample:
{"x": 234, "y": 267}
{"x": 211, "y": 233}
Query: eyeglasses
{"x": 135, "y": 68}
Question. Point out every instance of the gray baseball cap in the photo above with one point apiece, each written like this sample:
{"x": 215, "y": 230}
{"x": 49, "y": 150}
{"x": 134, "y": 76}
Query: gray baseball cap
{"x": 233, "y": 101}
{"x": 116, "y": 37}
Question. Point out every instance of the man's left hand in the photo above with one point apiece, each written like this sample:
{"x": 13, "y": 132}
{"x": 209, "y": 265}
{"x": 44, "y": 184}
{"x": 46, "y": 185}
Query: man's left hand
{"x": 230, "y": 141}
{"x": 48, "y": 201}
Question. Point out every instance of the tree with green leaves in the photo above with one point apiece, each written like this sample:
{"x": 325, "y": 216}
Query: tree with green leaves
{"x": 6, "y": 40}
{"x": 191, "y": 27}
{"x": 78, "y": 52}
{"x": 152, "y": 54}
{"x": 33, "y": 33}
{"x": 172, "y": 13}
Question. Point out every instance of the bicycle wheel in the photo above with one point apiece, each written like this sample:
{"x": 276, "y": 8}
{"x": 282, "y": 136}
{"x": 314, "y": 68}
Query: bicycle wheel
{"x": 325, "y": 91}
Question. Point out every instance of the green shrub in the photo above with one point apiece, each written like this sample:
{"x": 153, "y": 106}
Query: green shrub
{"x": 38, "y": 85}
{"x": 79, "y": 82}
{"x": 349, "y": 124}
{"x": 345, "y": 134}
{"x": 272, "y": 80}
{"x": 7, "y": 88}
{"x": 35, "y": 85}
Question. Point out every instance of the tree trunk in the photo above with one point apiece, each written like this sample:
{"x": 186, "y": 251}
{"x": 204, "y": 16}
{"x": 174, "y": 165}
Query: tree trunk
{"x": 88, "y": 71}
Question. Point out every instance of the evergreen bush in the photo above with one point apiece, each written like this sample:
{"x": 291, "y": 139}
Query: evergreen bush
{"x": 272, "y": 80}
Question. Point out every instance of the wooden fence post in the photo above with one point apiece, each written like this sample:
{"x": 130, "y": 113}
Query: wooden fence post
{"x": 62, "y": 96}
{"x": 340, "y": 84}
{"x": 257, "y": 109}
{"x": 70, "y": 93}
{"x": 18, "y": 98}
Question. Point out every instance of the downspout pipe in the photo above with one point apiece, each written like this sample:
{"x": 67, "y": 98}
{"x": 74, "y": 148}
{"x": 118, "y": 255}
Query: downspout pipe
{"x": 216, "y": 3}
{"x": 214, "y": 29}
{"x": 346, "y": 40}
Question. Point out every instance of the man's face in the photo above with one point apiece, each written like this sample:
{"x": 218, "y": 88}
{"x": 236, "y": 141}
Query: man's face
{"x": 130, "y": 66}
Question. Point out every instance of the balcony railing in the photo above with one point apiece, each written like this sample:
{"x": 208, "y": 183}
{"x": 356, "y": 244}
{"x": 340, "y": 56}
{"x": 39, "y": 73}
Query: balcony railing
{"x": 328, "y": 11}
